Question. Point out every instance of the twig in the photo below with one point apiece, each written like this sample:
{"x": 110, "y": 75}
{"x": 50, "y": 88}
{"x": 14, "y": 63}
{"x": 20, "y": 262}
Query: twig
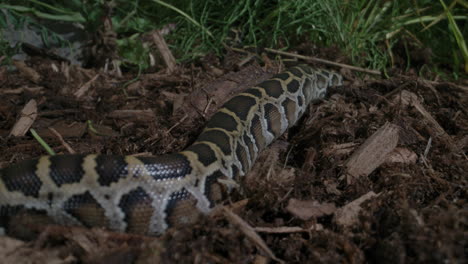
{"x": 62, "y": 141}
{"x": 354, "y": 68}
{"x": 207, "y": 106}
{"x": 428, "y": 147}
{"x": 85, "y": 87}
{"x": 249, "y": 232}
{"x": 177, "y": 124}
{"x": 164, "y": 51}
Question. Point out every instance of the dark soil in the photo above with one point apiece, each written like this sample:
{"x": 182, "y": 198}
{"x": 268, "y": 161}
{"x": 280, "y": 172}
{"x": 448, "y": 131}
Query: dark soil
{"x": 418, "y": 214}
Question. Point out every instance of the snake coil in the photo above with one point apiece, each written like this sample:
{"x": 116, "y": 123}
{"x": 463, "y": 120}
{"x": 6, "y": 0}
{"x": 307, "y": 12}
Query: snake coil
{"x": 149, "y": 194}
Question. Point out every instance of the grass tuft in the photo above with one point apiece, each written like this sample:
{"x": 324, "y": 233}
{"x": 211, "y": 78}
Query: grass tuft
{"x": 366, "y": 31}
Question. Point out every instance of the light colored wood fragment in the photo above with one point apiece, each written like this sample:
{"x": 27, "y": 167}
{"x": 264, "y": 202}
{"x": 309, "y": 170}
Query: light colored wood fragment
{"x": 288, "y": 229}
{"x": 373, "y": 152}
{"x": 347, "y": 215}
{"x": 134, "y": 115}
{"x": 28, "y": 72}
{"x": 32, "y": 90}
{"x": 401, "y": 155}
{"x": 165, "y": 51}
{"x": 28, "y": 116}
{"x": 436, "y": 130}
{"x": 306, "y": 210}
{"x": 85, "y": 87}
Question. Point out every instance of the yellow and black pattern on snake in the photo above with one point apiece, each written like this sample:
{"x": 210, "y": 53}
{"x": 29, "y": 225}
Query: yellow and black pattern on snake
{"x": 149, "y": 194}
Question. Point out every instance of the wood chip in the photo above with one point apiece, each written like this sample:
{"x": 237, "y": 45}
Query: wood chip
{"x": 347, "y": 215}
{"x": 288, "y": 229}
{"x": 373, "y": 152}
{"x": 28, "y": 116}
{"x": 164, "y": 50}
{"x": 28, "y": 72}
{"x": 32, "y": 90}
{"x": 339, "y": 149}
{"x": 435, "y": 129}
{"x": 306, "y": 210}
{"x": 401, "y": 155}
{"x": 134, "y": 115}
{"x": 85, "y": 87}
{"x": 64, "y": 128}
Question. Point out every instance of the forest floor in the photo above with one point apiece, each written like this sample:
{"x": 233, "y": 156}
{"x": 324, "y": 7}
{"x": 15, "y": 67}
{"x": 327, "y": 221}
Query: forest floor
{"x": 375, "y": 172}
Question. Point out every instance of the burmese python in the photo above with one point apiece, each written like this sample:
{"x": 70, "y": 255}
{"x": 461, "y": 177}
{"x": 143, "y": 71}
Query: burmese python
{"x": 149, "y": 194}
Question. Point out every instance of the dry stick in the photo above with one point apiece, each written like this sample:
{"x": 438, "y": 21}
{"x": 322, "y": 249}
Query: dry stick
{"x": 354, "y": 68}
{"x": 281, "y": 229}
{"x": 249, "y": 232}
{"x": 62, "y": 141}
{"x": 164, "y": 50}
{"x": 177, "y": 124}
{"x": 85, "y": 87}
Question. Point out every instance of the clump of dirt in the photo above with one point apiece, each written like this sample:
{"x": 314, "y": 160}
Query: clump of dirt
{"x": 376, "y": 172}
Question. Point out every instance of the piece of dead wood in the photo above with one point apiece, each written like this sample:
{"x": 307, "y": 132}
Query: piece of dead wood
{"x": 32, "y": 90}
{"x": 85, "y": 87}
{"x": 347, "y": 215}
{"x": 339, "y": 149}
{"x": 323, "y": 61}
{"x": 373, "y": 152}
{"x": 435, "y": 129}
{"x": 249, "y": 232}
{"x": 165, "y": 51}
{"x": 28, "y": 116}
{"x": 401, "y": 155}
{"x": 27, "y": 71}
{"x": 259, "y": 259}
{"x": 236, "y": 208}
{"x": 64, "y": 128}
{"x": 288, "y": 229}
{"x": 62, "y": 141}
{"x": 134, "y": 115}
{"x": 306, "y": 210}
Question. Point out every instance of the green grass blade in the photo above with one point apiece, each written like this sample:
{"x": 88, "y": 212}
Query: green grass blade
{"x": 184, "y": 15}
{"x": 47, "y": 148}
{"x": 457, "y": 34}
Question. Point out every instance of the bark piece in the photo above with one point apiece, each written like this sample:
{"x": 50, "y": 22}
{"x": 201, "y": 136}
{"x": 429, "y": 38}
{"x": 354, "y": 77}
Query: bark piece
{"x": 134, "y": 115}
{"x": 347, "y": 215}
{"x": 435, "y": 129}
{"x": 28, "y": 116}
{"x": 28, "y": 72}
{"x": 402, "y": 155}
{"x": 85, "y": 87}
{"x": 306, "y": 210}
{"x": 373, "y": 152}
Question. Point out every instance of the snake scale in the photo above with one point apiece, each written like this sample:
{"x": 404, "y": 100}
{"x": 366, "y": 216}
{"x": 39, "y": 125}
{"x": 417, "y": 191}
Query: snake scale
{"x": 146, "y": 195}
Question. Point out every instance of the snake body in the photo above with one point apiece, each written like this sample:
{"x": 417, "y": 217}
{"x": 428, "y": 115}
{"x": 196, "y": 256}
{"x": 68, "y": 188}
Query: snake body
{"x": 149, "y": 194}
